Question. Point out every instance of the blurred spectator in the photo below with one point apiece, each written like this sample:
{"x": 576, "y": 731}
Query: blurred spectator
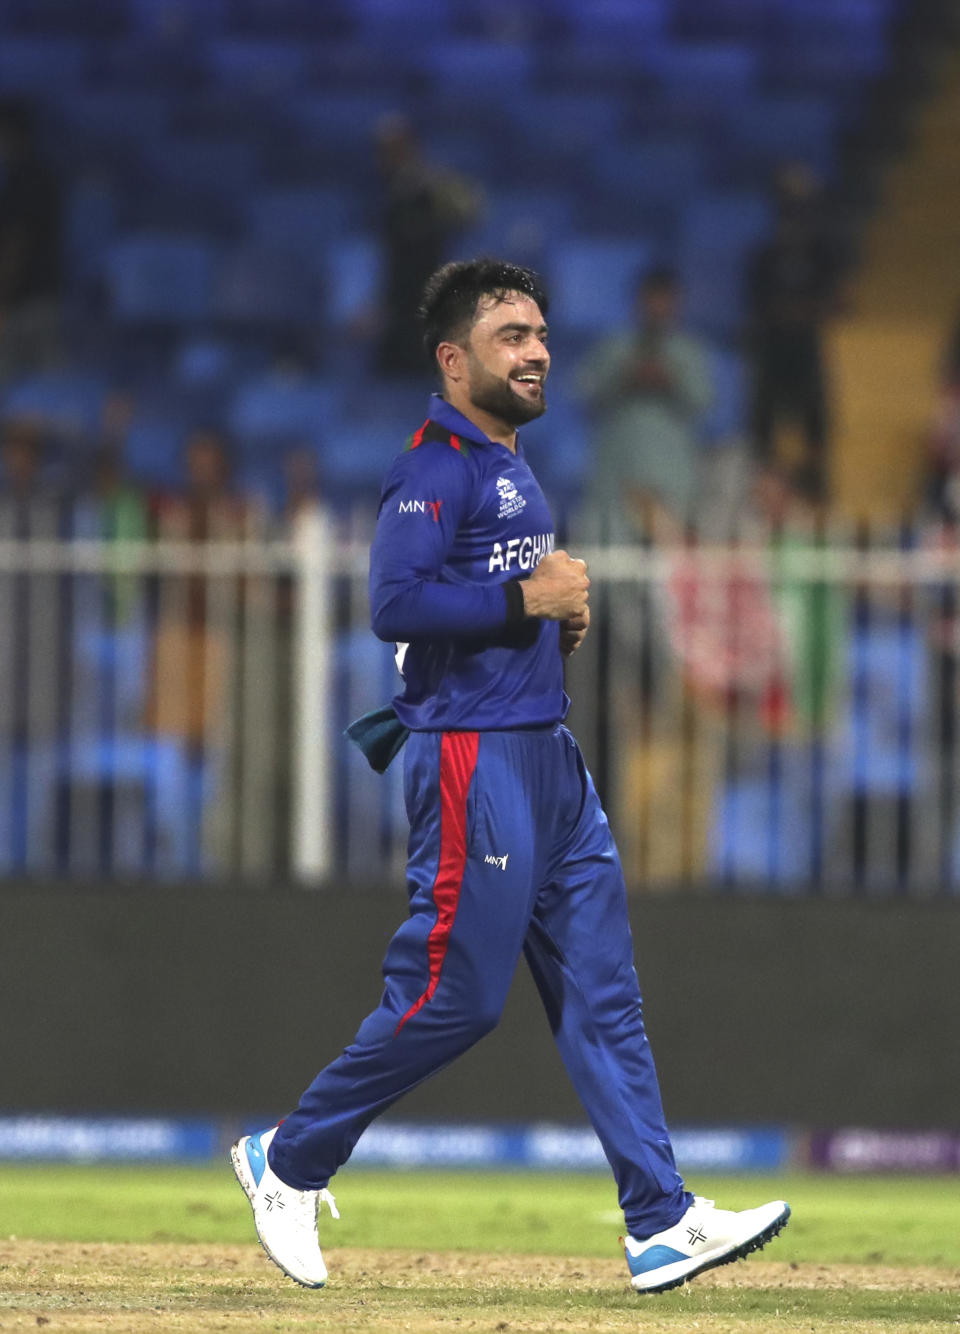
{"x": 120, "y": 515}
{"x": 648, "y": 390}
{"x": 194, "y": 612}
{"x": 301, "y": 483}
{"x": 30, "y": 276}
{"x": 193, "y": 690}
{"x": 29, "y": 501}
{"x": 943, "y": 463}
{"x": 792, "y": 290}
{"x": 789, "y": 513}
{"x": 424, "y": 208}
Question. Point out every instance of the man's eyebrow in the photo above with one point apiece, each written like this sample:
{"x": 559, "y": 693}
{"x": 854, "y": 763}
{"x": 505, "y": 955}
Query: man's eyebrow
{"x": 518, "y": 327}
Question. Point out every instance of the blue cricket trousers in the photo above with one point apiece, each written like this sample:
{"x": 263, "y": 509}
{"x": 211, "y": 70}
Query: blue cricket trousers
{"x": 510, "y": 851}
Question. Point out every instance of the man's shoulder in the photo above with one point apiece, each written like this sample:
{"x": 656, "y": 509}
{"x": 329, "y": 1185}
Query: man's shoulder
{"x": 434, "y": 439}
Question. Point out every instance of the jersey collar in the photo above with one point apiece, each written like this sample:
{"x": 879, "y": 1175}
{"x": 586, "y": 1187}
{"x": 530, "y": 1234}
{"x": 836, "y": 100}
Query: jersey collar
{"x": 447, "y": 416}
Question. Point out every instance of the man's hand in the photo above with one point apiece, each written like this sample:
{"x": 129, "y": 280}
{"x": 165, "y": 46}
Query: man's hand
{"x": 557, "y": 589}
{"x": 573, "y": 632}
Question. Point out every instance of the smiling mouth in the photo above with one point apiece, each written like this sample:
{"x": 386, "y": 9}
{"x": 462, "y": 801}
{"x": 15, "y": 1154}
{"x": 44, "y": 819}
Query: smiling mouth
{"x": 531, "y": 381}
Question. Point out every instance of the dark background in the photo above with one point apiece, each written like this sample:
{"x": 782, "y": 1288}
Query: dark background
{"x": 807, "y": 1013}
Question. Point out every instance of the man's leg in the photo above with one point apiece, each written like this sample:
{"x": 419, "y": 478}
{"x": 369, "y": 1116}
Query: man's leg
{"x": 580, "y": 952}
{"x": 448, "y": 968}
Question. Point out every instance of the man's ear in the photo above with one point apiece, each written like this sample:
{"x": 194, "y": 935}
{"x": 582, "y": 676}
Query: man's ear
{"x": 451, "y": 358}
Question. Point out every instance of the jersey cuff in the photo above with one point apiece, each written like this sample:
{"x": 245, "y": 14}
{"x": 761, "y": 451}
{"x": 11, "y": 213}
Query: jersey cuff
{"x": 515, "y": 606}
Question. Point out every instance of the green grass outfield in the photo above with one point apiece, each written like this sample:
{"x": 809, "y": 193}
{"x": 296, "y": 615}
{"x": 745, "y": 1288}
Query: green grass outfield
{"x": 112, "y": 1249}
{"x": 852, "y": 1220}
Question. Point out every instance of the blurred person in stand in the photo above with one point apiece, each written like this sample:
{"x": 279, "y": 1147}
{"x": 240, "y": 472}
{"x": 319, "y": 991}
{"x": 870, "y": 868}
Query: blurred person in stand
{"x": 648, "y": 389}
{"x": 198, "y": 618}
{"x": 114, "y": 508}
{"x": 302, "y": 486}
{"x": 32, "y": 511}
{"x": 792, "y": 289}
{"x": 31, "y": 503}
{"x": 30, "y": 268}
{"x": 942, "y": 503}
{"x": 193, "y": 625}
{"x": 424, "y": 209}
{"x": 942, "y": 482}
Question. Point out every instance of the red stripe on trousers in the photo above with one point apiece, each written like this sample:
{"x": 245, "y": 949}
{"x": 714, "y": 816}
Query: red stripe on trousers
{"x": 458, "y": 760}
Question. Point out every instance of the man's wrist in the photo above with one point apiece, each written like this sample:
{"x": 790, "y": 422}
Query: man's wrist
{"x": 516, "y": 603}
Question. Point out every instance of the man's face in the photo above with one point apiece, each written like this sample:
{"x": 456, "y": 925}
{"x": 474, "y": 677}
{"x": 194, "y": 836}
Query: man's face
{"x": 507, "y": 359}
{"x": 659, "y": 305}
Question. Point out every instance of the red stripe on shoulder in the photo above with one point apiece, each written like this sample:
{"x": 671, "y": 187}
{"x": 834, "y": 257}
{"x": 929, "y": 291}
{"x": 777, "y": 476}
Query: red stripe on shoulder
{"x": 417, "y": 437}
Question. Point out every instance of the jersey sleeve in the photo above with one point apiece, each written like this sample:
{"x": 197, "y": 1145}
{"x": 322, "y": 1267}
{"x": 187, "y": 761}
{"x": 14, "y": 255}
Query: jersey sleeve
{"x": 425, "y": 499}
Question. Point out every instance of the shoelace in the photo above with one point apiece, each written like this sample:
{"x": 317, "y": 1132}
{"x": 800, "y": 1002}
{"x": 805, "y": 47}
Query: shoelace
{"x": 306, "y": 1221}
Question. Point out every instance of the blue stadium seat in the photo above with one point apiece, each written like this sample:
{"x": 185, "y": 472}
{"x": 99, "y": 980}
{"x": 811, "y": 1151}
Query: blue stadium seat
{"x": 204, "y": 360}
{"x": 158, "y": 18}
{"x": 281, "y": 409}
{"x": 765, "y": 833}
{"x": 726, "y": 418}
{"x": 352, "y": 280}
{"x": 358, "y": 470}
{"x": 660, "y": 173}
{"x": 593, "y": 281}
{"x": 271, "y": 286}
{"x": 738, "y": 19}
{"x": 824, "y": 67}
{"x": 467, "y": 63}
{"x": 303, "y": 20}
{"x": 299, "y": 218}
{"x": 520, "y": 224}
{"x": 567, "y": 120}
{"x": 760, "y": 135}
{"x": 342, "y": 122}
{"x": 707, "y": 75}
{"x": 89, "y": 226}
{"x": 227, "y": 165}
{"x": 67, "y": 402}
{"x": 153, "y": 449}
{"x": 405, "y": 29}
{"x": 38, "y": 64}
{"x": 161, "y": 279}
{"x": 57, "y": 19}
{"x": 91, "y": 123}
{"x": 877, "y": 750}
{"x": 717, "y": 234}
{"x": 258, "y": 65}
{"x": 627, "y": 21}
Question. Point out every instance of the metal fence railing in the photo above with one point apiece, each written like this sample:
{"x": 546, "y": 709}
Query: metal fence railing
{"x": 777, "y": 713}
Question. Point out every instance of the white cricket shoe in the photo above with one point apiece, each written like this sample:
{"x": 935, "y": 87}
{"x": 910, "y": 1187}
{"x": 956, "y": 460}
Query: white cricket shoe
{"x": 285, "y": 1218}
{"x": 704, "y": 1237}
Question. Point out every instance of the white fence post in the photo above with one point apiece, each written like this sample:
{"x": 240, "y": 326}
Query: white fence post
{"x": 312, "y": 685}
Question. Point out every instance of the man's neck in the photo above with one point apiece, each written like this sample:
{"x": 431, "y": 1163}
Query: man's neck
{"x": 494, "y": 428}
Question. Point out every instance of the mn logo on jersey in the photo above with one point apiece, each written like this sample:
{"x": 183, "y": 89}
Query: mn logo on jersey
{"x": 511, "y": 501}
{"x": 421, "y": 507}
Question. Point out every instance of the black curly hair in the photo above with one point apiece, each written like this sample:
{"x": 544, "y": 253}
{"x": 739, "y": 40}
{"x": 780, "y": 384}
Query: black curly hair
{"x": 449, "y": 304}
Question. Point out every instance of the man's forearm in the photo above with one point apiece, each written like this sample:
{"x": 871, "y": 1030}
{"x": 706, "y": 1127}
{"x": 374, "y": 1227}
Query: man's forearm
{"x": 426, "y": 608}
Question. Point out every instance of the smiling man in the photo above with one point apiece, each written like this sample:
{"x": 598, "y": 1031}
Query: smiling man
{"x": 510, "y": 851}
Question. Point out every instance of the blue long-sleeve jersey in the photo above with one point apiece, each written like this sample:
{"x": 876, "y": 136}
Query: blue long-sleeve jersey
{"x": 460, "y": 517}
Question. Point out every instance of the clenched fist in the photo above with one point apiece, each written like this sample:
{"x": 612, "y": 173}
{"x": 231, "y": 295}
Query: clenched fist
{"x": 557, "y": 589}
{"x": 573, "y": 631}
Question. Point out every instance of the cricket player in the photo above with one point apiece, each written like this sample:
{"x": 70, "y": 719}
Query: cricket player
{"x": 510, "y": 852}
